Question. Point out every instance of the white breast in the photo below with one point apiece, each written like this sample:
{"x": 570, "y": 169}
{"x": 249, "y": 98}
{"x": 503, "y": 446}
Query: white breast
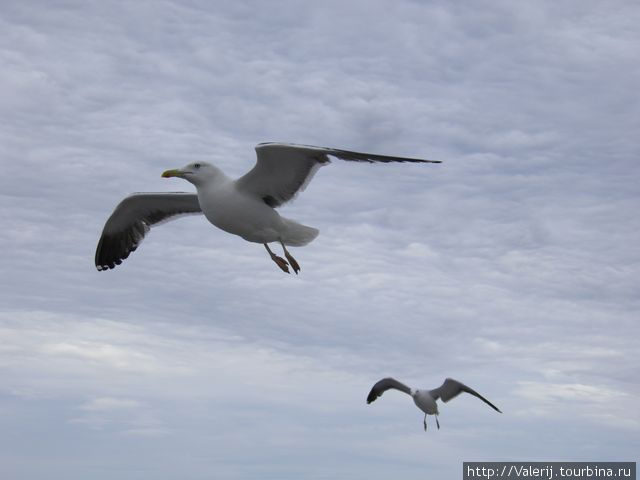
{"x": 425, "y": 402}
{"x": 240, "y": 214}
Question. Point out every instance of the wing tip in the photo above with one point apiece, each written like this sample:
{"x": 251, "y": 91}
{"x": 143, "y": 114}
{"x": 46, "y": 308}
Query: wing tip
{"x": 109, "y": 254}
{"x": 363, "y": 157}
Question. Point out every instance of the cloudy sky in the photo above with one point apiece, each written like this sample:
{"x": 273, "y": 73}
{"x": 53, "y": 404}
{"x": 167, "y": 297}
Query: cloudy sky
{"x": 513, "y": 266}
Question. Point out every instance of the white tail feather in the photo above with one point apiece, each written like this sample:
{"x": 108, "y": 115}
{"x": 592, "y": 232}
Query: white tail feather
{"x": 298, "y": 235}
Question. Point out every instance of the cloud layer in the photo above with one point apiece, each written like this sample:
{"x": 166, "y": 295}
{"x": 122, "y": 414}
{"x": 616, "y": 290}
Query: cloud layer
{"x": 512, "y": 266}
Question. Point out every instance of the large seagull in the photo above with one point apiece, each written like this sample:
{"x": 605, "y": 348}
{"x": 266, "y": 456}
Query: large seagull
{"x": 245, "y": 206}
{"x": 425, "y": 400}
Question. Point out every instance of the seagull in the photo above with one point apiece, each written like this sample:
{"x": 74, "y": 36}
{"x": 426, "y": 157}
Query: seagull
{"x": 244, "y": 207}
{"x": 425, "y": 400}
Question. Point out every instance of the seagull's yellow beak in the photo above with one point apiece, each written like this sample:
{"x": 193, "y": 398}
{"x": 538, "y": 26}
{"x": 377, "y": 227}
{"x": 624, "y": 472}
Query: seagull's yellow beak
{"x": 172, "y": 173}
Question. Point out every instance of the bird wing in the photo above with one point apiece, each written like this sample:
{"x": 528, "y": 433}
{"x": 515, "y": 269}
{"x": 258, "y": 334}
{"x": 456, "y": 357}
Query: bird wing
{"x": 384, "y": 385}
{"x": 452, "y": 388}
{"x": 133, "y": 217}
{"x": 284, "y": 169}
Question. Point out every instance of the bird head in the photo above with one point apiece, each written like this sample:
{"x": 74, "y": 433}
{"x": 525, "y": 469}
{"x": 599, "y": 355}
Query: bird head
{"x": 196, "y": 173}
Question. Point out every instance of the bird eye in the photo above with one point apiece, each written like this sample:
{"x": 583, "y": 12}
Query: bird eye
{"x": 196, "y": 165}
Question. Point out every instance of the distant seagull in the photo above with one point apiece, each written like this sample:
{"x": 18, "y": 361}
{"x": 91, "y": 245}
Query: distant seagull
{"x": 244, "y": 207}
{"x": 425, "y": 400}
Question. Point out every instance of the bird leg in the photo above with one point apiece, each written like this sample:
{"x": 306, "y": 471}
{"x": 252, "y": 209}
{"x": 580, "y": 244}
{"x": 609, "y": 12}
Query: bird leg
{"x": 425, "y": 422}
{"x": 281, "y": 262}
{"x": 437, "y": 422}
{"x": 292, "y": 261}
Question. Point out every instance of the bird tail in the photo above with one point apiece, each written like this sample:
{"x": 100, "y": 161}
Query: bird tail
{"x": 298, "y": 235}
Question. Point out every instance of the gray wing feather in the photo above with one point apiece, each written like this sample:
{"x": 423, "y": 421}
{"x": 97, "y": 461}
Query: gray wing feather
{"x": 452, "y": 388}
{"x": 283, "y": 170}
{"x": 384, "y": 385}
{"x": 133, "y": 217}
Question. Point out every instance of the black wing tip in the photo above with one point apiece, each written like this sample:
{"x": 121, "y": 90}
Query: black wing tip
{"x": 103, "y": 266}
{"x": 371, "y": 397}
{"x": 111, "y": 253}
{"x": 350, "y": 155}
{"x": 400, "y": 160}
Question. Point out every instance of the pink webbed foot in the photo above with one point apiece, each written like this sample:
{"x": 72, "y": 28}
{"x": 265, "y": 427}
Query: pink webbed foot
{"x": 292, "y": 262}
{"x": 281, "y": 262}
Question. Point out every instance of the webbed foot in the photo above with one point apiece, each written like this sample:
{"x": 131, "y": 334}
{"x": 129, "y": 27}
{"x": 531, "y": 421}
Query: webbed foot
{"x": 281, "y": 262}
{"x": 292, "y": 262}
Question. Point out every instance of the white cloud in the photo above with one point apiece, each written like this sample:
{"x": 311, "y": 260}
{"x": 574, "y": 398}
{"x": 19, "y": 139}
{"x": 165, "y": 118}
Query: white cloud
{"x": 512, "y": 266}
{"x": 110, "y": 403}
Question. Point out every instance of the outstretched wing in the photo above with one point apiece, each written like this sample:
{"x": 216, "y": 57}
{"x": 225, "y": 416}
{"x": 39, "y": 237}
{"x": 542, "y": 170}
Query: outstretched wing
{"x": 133, "y": 217}
{"x": 384, "y": 385}
{"x": 452, "y": 388}
{"x": 284, "y": 169}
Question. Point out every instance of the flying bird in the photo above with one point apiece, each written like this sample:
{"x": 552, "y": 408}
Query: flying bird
{"x": 425, "y": 400}
{"x": 244, "y": 207}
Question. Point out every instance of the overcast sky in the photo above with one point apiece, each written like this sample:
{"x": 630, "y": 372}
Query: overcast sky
{"x": 513, "y": 266}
